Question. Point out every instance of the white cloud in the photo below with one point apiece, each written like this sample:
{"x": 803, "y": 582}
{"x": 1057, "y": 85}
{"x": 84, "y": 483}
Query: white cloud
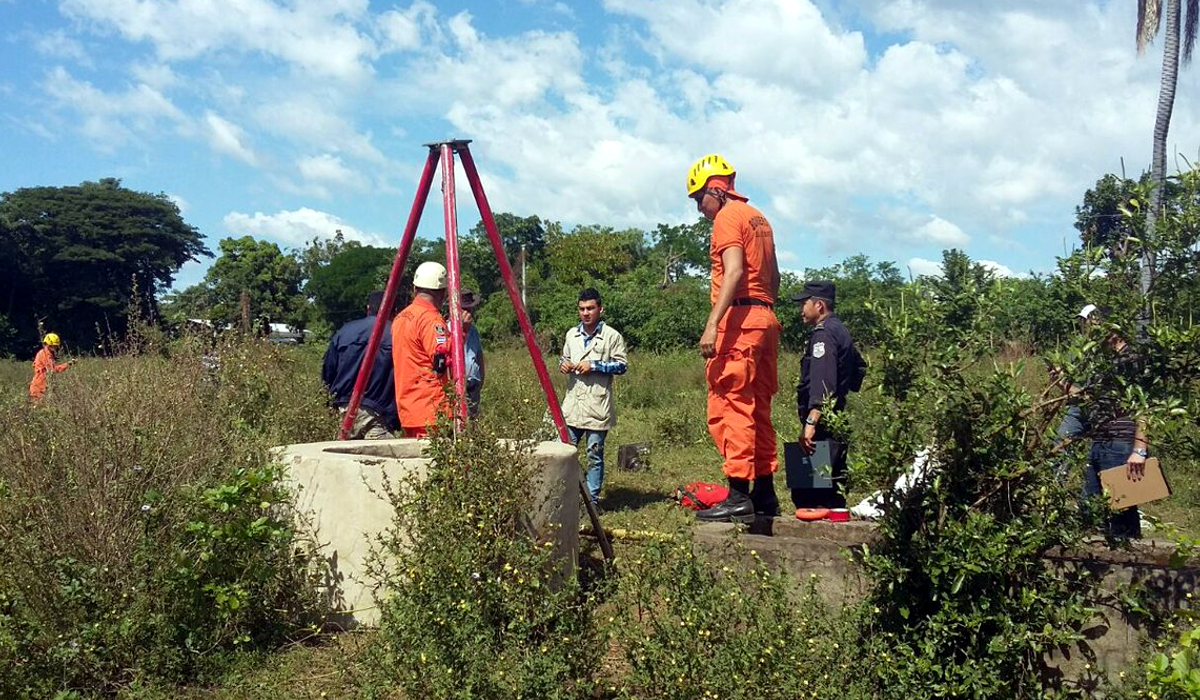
{"x": 998, "y": 269}
{"x": 324, "y": 171}
{"x": 179, "y": 201}
{"x": 296, "y": 227}
{"x": 940, "y": 232}
{"x": 160, "y": 76}
{"x": 228, "y": 138}
{"x": 308, "y": 121}
{"x": 918, "y": 267}
{"x": 401, "y": 30}
{"x": 110, "y": 120}
{"x": 318, "y": 38}
{"x": 57, "y": 45}
{"x": 888, "y": 126}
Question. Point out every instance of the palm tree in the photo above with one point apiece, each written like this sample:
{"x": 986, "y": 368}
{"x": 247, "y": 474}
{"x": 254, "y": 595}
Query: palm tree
{"x": 1150, "y": 15}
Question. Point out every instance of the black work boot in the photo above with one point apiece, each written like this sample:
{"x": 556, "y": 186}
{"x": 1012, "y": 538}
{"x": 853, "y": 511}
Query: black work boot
{"x": 737, "y": 506}
{"x": 766, "y": 503}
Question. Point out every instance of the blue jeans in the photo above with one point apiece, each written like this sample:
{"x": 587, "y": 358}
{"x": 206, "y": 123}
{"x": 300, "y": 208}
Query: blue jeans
{"x": 595, "y": 457}
{"x": 1073, "y": 425}
{"x": 1106, "y": 455}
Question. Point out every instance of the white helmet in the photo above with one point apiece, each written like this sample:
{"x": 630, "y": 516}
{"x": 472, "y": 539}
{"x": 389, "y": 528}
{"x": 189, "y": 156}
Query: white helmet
{"x": 430, "y": 275}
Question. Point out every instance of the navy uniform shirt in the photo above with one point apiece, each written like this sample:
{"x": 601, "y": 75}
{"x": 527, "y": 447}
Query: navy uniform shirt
{"x": 828, "y": 361}
{"x": 343, "y": 359}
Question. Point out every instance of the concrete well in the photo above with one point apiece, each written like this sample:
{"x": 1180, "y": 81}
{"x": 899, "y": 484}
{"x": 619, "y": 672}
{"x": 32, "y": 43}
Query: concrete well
{"x": 342, "y": 505}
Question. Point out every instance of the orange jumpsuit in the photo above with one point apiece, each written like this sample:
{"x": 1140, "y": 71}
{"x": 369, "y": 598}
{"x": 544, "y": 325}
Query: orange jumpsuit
{"x": 418, "y": 334}
{"x": 43, "y": 365}
{"x": 744, "y": 376}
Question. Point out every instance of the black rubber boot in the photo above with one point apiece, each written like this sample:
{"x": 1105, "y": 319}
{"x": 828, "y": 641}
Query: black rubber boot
{"x": 736, "y": 508}
{"x": 766, "y": 503}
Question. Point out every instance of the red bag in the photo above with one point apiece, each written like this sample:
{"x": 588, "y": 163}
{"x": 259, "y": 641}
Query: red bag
{"x": 699, "y": 495}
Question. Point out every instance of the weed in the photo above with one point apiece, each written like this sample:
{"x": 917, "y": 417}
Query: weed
{"x": 478, "y": 607}
{"x": 142, "y": 524}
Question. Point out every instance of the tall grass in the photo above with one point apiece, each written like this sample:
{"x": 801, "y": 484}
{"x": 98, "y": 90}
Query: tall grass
{"x": 143, "y": 531}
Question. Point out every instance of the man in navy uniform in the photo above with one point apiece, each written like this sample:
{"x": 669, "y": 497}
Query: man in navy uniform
{"x": 832, "y": 367}
{"x": 376, "y": 418}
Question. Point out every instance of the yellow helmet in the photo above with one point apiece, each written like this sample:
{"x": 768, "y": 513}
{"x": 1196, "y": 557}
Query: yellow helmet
{"x": 51, "y": 339}
{"x": 708, "y": 166}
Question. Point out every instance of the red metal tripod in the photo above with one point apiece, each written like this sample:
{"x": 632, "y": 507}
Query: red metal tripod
{"x": 445, "y": 151}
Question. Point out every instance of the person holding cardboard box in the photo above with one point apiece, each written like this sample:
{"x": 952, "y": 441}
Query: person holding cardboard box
{"x": 1118, "y": 437}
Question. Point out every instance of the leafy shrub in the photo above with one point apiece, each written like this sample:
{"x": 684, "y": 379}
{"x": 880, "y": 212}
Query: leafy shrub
{"x": 689, "y": 629}
{"x": 962, "y": 600}
{"x": 1176, "y": 675}
{"x": 476, "y": 606}
{"x": 142, "y": 524}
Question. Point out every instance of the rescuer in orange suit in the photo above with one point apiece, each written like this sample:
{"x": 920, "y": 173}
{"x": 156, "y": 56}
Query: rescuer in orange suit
{"x": 421, "y": 352}
{"x": 44, "y": 364}
{"x": 740, "y": 342}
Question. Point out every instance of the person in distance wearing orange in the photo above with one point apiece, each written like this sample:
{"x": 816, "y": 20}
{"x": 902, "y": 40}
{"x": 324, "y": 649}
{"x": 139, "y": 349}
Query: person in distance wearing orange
{"x": 740, "y": 342}
{"x": 421, "y": 352}
{"x": 44, "y": 365}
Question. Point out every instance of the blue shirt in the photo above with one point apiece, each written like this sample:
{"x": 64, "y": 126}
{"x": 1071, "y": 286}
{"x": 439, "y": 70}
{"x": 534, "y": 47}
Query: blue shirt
{"x": 473, "y": 359}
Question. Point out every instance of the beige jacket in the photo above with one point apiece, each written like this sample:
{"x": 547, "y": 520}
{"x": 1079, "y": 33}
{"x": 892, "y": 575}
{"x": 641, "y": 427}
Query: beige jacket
{"x": 589, "y": 403}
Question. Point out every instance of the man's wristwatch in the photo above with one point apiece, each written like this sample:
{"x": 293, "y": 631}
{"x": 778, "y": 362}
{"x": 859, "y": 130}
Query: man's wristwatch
{"x": 809, "y": 421}
{"x": 1141, "y": 452}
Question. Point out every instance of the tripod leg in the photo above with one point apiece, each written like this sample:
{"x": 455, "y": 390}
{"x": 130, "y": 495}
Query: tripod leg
{"x": 539, "y": 364}
{"x": 454, "y": 284}
{"x": 389, "y": 294}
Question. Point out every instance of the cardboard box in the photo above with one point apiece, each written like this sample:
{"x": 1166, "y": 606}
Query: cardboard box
{"x": 1125, "y": 492}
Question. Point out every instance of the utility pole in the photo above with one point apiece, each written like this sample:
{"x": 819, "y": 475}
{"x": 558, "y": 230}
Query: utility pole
{"x": 523, "y": 276}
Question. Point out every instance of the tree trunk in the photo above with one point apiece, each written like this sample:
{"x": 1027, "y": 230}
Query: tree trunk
{"x": 1162, "y": 125}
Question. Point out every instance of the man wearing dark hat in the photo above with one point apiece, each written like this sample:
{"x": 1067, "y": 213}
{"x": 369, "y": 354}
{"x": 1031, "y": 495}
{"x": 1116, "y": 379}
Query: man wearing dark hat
{"x": 472, "y": 351}
{"x": 376, "y": 418}
{"x": 832, "y": 367}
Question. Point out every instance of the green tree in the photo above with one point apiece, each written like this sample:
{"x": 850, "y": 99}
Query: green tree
{"x": 263, "y": 275}
{"x": 861, "y": 286}
{"x": 75, "y": 257}
{"x": 1149, "y": 20}
{"x": 682, "y": 250}
{"x": 339, "y": 289}
{"x": 591, "y": 253}
{"x": 319, "y": 252}
{"x": 477, "y": 258}
{"x": 962, "y": 290}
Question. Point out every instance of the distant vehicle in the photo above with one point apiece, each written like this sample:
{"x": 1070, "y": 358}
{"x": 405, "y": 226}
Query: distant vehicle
{"x": 283, "y": 334}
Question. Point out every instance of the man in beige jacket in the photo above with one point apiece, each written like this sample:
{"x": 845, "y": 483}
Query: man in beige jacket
{"x": 592, "y": 355}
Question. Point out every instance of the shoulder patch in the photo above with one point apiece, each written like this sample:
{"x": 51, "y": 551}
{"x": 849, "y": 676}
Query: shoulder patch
{"x": 818, "y": 350}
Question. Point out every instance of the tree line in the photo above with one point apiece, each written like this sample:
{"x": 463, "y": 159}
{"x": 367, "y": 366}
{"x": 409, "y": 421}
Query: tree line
{"x": 81, "y": 259}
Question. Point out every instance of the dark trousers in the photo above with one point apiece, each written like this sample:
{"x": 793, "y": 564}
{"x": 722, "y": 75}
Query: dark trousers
{"x": 829, "y": 497}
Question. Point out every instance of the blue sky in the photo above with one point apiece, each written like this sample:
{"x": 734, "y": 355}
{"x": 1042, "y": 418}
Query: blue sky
{"x": 893, "y": 128}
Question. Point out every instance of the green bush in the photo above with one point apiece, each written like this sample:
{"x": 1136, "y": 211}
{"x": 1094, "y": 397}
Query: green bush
{"x": 476, "y": 606}
{"x": 691, "y": 629}
{"x": 143, "y": 528}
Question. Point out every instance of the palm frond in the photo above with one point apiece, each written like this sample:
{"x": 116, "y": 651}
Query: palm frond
{"x": 1190, "y": 26}
{"x": 1148, "y": 21}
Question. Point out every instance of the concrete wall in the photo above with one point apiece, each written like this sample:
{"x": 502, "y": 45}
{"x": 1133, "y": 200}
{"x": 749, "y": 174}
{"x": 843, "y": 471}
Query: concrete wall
{"x": 1114, "y": 637}
{"x": 342, "y": 505}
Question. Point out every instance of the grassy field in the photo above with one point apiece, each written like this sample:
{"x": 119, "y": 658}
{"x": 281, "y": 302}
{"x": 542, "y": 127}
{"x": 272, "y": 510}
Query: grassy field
{"x": 661, "y": 400}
